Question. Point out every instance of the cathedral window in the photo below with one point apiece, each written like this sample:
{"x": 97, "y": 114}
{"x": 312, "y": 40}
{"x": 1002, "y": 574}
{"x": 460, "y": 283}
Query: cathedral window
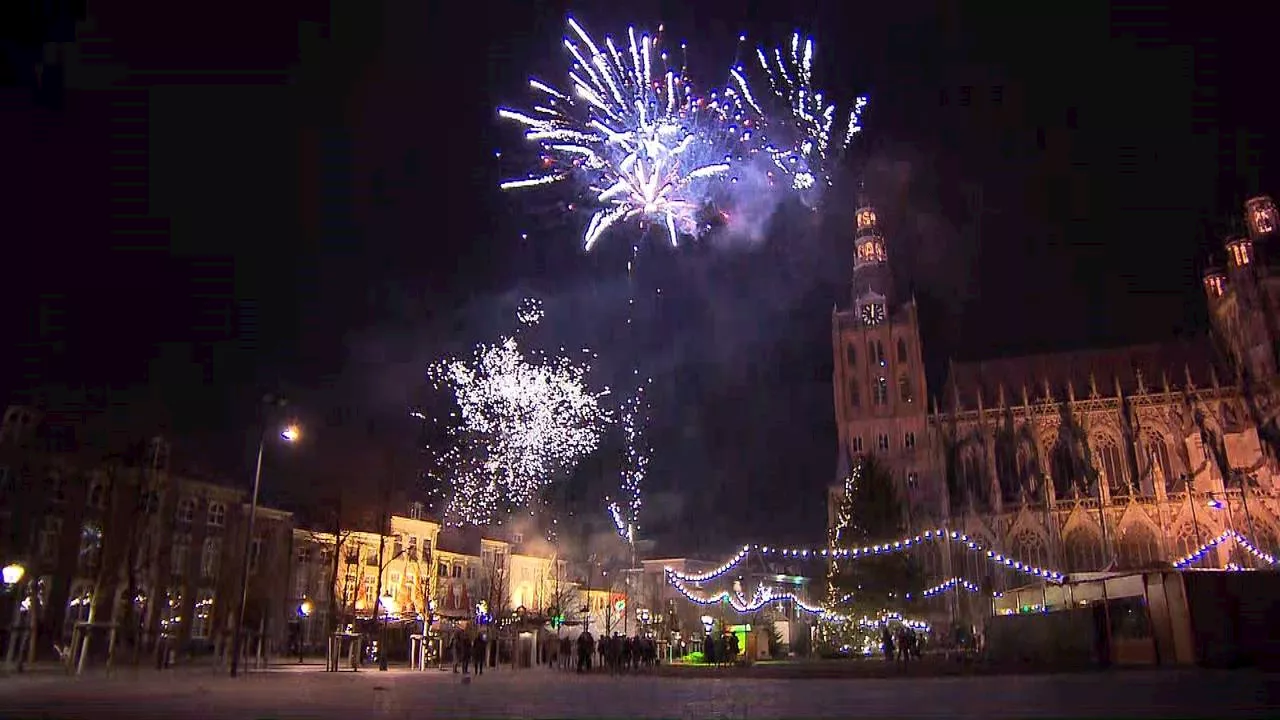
{"x": 882, "y": 441}
{"x": 875, "y": 349}
{"x": 913, "y": 480}
{"x": 857, "y": 444}
{"x": 866, "y": 218}
{"x": 851, "y": 355}
{"x": 881, "y": 391}
{"x": 1157, "y": 459}
{"x": 902, "y": 350}
{"x": 909, "y": 441}
{"x": 854, "y": 400}
{"x": 1111, "y": 465}
{"x": 904, "y": 388}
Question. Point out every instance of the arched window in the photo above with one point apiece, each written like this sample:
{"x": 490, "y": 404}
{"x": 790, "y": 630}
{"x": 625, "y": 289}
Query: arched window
{"x": 97, "y": 494}
{"x": 881, "y": 391}
{"x": 1110, "y": 463}
{"x": 1063, "y": 464}
{"x": 1028, "y": 548}
{"x": 1083, "y": 551}
{"x": 1186, "y": 541}
{"x": 875, "y": 350}
{"x": 854, "y": 400}
{"x": 851, "y": 355}
{"x": 1138, "y": 548}
{"x": 902, "y": 350}
{"x": 904, "y": 388}
{"x": 1159, "y": 471}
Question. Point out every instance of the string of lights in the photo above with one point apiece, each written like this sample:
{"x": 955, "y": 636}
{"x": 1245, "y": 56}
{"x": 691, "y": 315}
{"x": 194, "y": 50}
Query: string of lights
{"x": 1240, "y": 540}
{"x": 942, "y": 587}
{"x": 900, "y": 545}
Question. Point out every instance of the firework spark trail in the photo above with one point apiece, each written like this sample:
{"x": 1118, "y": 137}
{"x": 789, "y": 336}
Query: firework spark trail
{"x": 804, "y": 141}
{"x": 626, "y": 516}
{"x": 639, "y": 139}
{"x": 523, "y": 419}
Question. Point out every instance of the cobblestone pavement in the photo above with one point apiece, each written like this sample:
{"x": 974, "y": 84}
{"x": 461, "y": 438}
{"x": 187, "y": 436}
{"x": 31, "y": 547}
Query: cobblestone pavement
{"x": 310, "y": 693}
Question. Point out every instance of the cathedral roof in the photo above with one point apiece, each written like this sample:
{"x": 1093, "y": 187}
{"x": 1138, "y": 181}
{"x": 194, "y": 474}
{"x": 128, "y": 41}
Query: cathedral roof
{"x": 1136, "y": 368}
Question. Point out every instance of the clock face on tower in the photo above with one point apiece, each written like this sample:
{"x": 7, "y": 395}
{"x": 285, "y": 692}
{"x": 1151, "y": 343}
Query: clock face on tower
{"x": 873, "y": 313}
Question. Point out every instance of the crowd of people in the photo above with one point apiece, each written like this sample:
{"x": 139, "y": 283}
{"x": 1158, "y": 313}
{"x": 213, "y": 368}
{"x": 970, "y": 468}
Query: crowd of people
{"x": 616, "y": 653}
{"x": 904, "y": 644}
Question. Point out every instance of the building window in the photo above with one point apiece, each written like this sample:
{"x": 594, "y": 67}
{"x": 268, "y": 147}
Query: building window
{"x": 876, "y": 350}
{"x": 186, "y": 510}
{"x": 179, "y": 553}
{"x": 857, "y": 444}
{"x": 913, "y": 480}
{"x": 211, "y": 557}
{"x": 904, "y": 388}
{"x": 457, "y": 571}
{"x": 57, "y": 488}
{"x": 304, "y": 555}
{"x": 851, "y": 355}
{"x": 393, "y": 585}
{"x": 90, "y": 544}
{"x": 50, "y": 535}
{"x": 397, "y": 546}
{"x": 371, "y": 559}
{"x": 413, "y": 547}
{"x": 217, "y": 514}
{"x": 909, "y": 441}
{"x": 471, "y": 573}
{"x": 255, "y": 554}
{"x": 517, "y": 538}
{"x": 854, "y": 400}
{"x": 426, "y": 550}
{"x": 442, "y": 570}
{"x": 203, "y": 620}
{"x": 882, "y": 441}
{"x": 902, "y": 350}
{"x": 97, "y": 494}
{"x": 880, "y": 392}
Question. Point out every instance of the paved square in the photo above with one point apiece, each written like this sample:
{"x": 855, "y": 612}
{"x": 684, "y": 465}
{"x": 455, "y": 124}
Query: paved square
{"x": 310, "y": 693}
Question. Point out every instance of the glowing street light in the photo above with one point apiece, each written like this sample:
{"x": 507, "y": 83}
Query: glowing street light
{"x": 289, "y": 434}
{"x": 13, "y": 573}
{"x": 305, "y": 608}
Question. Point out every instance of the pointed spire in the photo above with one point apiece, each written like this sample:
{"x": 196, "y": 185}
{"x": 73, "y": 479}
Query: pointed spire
{"x": 1116, "y": 381}
{"x": 1048, "y": 391}
{"x": 1093, "y": 386}
{"x": 934, "y": 400}
{"x": 1000, "y": 395}
{"x": 1186, "y": 368}
{"x": 1026, "y": 399}
{"x": 1213, "y": 376}
{"x": 981, "y": 406}
{"x": 1164, "y": 380}
{"x": 1071, "y": 389}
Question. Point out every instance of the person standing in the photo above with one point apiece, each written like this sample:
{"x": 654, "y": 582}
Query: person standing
{"x": 478, "y": 651}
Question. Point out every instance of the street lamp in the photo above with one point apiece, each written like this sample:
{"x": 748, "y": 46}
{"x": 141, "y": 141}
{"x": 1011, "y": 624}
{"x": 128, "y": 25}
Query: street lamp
{"x": 291, "y": 434}
{"x": 12, "y": 574}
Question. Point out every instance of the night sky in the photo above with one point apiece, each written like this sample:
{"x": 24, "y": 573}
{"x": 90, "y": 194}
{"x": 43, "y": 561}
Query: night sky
{"x": 1045, "y": 182}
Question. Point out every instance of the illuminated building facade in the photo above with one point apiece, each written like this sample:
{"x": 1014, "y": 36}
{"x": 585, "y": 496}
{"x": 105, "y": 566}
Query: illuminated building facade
{"x": 1077, "y": 461}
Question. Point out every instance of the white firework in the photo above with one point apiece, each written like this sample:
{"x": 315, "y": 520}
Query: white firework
{"x": 638, "y": 138}
{"x": 523, "y": 420}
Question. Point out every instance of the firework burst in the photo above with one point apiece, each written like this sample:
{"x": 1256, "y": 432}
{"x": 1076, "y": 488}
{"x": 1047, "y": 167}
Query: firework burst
{"x": 804, "y": 137}
{"x": 633, "y": 131}
{"x": 522, "y": 420}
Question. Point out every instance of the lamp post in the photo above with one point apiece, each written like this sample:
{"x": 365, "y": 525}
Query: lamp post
{"x": 12, "y": 575}
{"x": 389, "y": 607}
{"x": 289, "y": 434}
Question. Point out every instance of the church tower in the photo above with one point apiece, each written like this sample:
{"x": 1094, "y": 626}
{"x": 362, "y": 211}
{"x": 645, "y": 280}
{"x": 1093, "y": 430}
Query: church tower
{"x": 879, "y": 379}
{"x": 1244, "y": 299}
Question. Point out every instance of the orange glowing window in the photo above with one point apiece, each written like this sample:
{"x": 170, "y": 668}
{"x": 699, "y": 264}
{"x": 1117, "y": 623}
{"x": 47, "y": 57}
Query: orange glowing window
{"x": 1215, "y": 285}
{"x": 1240, "y": 253}
{"x": 871, "y": 251}
{"x": 866, "y": 218}
{"x": 1264, "y": 220}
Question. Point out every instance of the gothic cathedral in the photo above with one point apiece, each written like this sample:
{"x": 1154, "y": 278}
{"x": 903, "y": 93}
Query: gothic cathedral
{"x": 1081, "y": 461}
